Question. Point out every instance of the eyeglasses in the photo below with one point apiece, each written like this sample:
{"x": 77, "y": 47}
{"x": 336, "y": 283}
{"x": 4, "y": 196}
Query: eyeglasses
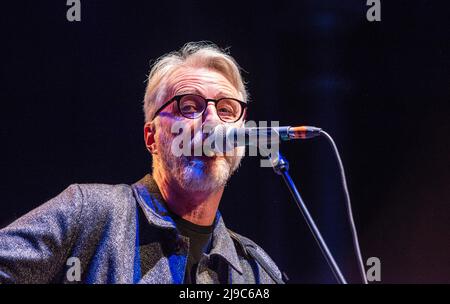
{"x": 193, "y": 106}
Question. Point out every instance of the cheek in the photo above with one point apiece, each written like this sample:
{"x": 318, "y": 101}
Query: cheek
{"x": 239, "y": 124}
{"x": 164, "y": 133}
{"x": 174, "y": 126}
{"x": 180, "y": 131}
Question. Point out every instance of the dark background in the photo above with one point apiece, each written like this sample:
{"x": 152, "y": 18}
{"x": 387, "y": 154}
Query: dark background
{"x": 71, "y": 97}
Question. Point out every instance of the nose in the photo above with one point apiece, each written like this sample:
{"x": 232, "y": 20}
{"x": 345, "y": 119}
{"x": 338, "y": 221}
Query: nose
{"x": 210, "y": 114}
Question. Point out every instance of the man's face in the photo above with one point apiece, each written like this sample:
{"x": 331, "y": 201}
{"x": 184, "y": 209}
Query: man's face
{"x": 195, "y": 173}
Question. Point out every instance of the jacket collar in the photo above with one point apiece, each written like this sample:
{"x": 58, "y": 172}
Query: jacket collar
{"x": 155, "y": 209}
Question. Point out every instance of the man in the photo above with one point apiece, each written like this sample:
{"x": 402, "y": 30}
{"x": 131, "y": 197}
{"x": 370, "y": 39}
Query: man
{"x": 165, "y": 228}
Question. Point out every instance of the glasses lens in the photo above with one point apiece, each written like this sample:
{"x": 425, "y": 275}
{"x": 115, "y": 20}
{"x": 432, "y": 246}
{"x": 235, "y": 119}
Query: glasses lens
{"x": 192, "y": 106}
{"x": 229, "y": 110}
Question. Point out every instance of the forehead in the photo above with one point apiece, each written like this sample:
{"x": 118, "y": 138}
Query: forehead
{"x": 209, "y": 83}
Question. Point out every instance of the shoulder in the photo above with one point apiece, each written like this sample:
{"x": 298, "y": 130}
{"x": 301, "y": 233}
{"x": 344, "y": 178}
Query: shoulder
{"x": 88, "y": 203}
{"x": 104, "y": 193}
{"x": 105, "y": 199}
{"x": 254, "y": 251}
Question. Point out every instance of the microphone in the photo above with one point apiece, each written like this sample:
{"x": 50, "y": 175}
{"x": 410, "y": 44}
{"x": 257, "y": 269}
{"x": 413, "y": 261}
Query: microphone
{"x": 231, "y": 137}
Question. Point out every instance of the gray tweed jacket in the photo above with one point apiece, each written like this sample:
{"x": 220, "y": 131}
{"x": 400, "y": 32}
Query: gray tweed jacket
{"x": 98, "y": 233}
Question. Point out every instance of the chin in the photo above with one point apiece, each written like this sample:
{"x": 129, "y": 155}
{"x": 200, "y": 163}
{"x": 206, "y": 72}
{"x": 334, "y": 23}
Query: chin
{"x": 205, "y": 174}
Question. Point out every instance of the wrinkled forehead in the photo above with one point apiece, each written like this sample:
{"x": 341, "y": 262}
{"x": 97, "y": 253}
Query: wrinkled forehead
{"x": 203, "y": 81}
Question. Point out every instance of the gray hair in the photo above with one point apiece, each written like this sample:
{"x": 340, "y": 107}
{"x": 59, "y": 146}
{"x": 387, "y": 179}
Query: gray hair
{"x": 193, "y": 54}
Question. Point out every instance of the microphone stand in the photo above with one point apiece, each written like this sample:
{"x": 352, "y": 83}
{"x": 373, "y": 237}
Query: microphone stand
{"x": 281, "y": 167}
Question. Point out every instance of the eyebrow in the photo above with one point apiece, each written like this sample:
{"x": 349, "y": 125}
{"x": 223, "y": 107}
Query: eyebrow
{"x": 197, "y": 92}
{"x": 188, "y": 91}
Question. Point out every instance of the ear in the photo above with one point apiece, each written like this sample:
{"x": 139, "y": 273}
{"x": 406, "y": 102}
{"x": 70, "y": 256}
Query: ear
{"x": 149, "y": 137}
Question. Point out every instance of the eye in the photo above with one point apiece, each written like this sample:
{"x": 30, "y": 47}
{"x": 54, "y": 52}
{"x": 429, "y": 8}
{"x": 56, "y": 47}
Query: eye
{"x": 189, "y": 107}
{"x": 225, "y": 109}
{"x": 228, "y": 108}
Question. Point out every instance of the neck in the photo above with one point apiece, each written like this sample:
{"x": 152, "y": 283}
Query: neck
{"x": 197, "y": 207}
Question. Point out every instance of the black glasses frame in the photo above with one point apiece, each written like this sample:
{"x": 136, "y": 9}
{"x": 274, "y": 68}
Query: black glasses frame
{"x": 177, "y": 98}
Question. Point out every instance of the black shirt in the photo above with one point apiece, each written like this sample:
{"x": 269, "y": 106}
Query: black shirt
{"x": 199, "y": 243}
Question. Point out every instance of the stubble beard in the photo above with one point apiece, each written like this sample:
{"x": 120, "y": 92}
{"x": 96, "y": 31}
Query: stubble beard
{"x": 193, "y": 173}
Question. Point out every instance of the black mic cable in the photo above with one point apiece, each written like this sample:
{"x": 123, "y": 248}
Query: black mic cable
{"x": 349, "y": 207}
{"x": 242, "y": 136}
